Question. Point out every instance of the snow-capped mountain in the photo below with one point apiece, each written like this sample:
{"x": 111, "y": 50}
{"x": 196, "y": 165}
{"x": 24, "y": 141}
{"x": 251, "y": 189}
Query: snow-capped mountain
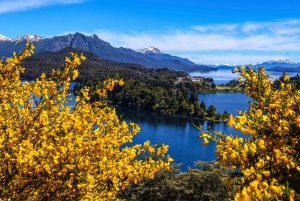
{"x": 267, "y": 64}
{"x": 149, "y": 57}
{"x": 149, "y": 50}
{"x": 157, "y": 54}
{"x": 4, "y": 38}
{"x": 280, "y": 63}
{"x": 28, "y": 37}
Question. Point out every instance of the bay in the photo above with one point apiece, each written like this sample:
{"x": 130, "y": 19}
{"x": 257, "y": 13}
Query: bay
{"x": 179, "y": 132}
{"x": 232, "y": 102}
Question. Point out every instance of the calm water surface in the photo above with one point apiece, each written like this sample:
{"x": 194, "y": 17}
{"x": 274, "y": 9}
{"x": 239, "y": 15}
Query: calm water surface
{"x": 226, "y": 101}
{"x": 222, "y": 76}
{"x": 178, "y": 132}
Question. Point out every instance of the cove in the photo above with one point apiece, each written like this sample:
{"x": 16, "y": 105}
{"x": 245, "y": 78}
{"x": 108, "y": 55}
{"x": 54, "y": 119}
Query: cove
{"x": 179, "y": 132}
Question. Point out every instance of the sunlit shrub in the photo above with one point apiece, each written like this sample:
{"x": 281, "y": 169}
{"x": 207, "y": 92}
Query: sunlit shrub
{"x": 51, "y": 151}
{"x": 269, "y": 159}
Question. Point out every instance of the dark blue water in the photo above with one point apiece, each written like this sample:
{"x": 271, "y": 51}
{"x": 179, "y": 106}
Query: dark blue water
{"x": 179, "y": 132}
{"x": 226, "y": 101}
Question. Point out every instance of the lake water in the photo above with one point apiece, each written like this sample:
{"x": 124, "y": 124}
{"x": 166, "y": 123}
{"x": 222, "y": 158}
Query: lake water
{"x": 178, "y": 132}
{"x": 222, "y": 76}
{"x": 226, "y": 101}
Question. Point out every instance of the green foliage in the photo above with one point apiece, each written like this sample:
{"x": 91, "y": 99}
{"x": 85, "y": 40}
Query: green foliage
{"x": 205, "y": 183}
{"x": 211, "y": 111}
{"x": 94, "y": 68}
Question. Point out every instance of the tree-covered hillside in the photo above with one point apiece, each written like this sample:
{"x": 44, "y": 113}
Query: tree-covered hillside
{"x": 94, "y": 67}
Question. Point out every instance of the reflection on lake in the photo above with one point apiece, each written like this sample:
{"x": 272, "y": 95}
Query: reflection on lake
{"x": 177, "y": 131}
{"x": 222, "y": 76}
{"x": 225, "y": 101}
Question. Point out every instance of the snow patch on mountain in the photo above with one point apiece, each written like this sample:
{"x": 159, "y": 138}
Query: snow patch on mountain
{"x": 149, "y": 50}
{"x": 28, "y": 38}
{"x": 287, "y": 61}
{"x": 4, "y": 38}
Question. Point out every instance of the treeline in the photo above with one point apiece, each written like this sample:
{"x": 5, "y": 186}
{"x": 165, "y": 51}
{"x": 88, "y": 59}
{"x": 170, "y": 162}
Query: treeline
{"x": 95, "y": 68}
{"x": 295, "y": 80}
{"x": 152, "y": 89}
{"x": 162, "y": 96}
{"x": 205, "y": 182}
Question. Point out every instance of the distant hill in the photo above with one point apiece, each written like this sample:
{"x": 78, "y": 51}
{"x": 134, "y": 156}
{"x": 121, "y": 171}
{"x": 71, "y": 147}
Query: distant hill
{"x": 99, "y": 47}
{"x": 94, "y": 68}
{"x": 225, "y": 67}
{"x": 281, "y": 69}
{"x": 279, "y": 63}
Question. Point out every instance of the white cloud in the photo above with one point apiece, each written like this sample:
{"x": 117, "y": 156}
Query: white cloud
{"x": 197, "y": 41}
{"x": 261, "y": 37}
{"x": 215, "y": 27}
{"x": 276, "y": 27}
{"x": 19, "y": 5}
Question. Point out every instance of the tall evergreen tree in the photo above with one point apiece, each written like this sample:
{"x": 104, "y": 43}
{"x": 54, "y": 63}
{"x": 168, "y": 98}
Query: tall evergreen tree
{"x": 193, "y": 98}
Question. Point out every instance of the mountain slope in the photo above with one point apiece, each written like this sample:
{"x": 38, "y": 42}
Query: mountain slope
{"x": 97, "y": 46}
{"x": 93, "y": 68}
{"x": 157, "y": 54}
{"x": 279, "y": 63}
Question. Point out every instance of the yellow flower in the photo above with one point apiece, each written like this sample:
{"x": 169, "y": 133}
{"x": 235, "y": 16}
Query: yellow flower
{"x": 292, "y": 195}
{"x": 75, "y": 149}
{"x": 261, "y": 144}
{"x": 205, "y": 141}
{"x": 258, "y": 113}
{"x": 266, "y": 173}
{"x": 276, "y": 189}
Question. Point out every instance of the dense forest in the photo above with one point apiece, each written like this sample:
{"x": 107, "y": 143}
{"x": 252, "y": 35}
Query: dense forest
{"x": 152, "y": 89}
{"x": 161, "y": 96}
{"x": 94, "y": 68}
{"x": 205, "y": 182}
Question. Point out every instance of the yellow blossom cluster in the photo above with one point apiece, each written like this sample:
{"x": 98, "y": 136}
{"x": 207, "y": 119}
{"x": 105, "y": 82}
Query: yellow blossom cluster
{"x": 269, "y": 159}
{"x": 51, "y": 151}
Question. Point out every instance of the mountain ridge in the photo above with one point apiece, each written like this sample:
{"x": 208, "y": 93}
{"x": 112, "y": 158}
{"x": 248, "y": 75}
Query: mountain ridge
{"x": 93, "y": 68}
{"x": 101, "y": 48}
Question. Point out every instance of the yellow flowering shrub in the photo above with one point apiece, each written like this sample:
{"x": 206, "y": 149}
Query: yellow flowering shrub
{"x": 52, "y": 151}
{"x": 269, "y": 159}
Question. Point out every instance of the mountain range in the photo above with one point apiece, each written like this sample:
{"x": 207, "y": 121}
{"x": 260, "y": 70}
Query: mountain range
{"x": 269, "y": 65}
{"x": 94, "y": 68}
{"x": 149, "y": 57}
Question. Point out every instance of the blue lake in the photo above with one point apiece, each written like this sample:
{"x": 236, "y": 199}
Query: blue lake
{"x": 179, "y": 132}
{"x": 224, "y": 76}
{"x": 226, "y": 101}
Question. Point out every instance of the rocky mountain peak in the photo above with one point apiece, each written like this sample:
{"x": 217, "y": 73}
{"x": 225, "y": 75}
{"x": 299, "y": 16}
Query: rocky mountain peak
{"x": 149, "y": 50}
{"x": 28, "y": 37}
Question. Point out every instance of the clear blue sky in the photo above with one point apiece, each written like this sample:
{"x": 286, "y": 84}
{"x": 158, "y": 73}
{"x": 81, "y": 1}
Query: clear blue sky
{"x": 205, "y": 31}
